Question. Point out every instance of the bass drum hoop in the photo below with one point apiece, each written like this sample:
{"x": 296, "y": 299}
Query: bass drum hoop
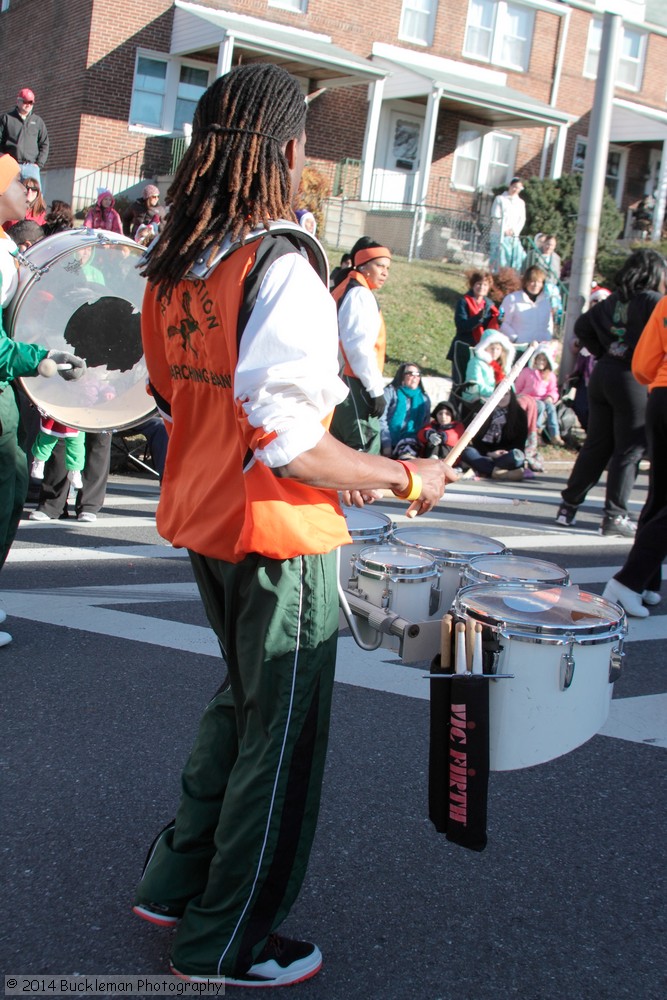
{"x": 36, "y": 264}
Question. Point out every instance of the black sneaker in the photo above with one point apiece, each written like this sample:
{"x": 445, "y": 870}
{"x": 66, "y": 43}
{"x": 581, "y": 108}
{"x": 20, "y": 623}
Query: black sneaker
{"x": 281, "y": 962}
{"x": 155, "y": 913}
{"x": 618, "y": 525}
{"x": 567, "y": 514}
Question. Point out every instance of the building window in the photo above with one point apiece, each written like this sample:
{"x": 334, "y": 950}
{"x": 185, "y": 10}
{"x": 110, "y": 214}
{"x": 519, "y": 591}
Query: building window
{"x": 499, "y": 33}
{"x": 483, "y": 159}
{"x": 150, "y": 86}
{"x": 630, "y": 69}
{"x": 166, "y": 91}
{"x": 4, "y": 5}
{"x": 298, "y": 6}
{"x": 418, "y": 21}
{"x": 615, "y": 173}
{"x": 191, "y": 85}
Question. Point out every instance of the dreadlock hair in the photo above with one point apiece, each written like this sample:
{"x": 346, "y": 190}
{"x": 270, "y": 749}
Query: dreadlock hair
{"x": 234, "y": 176}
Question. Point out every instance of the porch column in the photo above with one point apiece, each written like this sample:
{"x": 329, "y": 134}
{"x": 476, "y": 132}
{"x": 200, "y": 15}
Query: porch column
{"x": 661, "y": 197}
{"x": 558, "y": 153}
{"x": 375, "y": 92}
{"x": 225, "y": 51}
{"x": 428, "y": 142}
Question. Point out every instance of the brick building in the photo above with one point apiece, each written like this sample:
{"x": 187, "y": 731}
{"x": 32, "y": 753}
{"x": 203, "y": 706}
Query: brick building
{"x": 426, "y": 101}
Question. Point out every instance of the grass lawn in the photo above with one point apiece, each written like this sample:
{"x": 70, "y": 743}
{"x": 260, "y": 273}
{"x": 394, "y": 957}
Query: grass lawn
{"x": 418, "y": 303}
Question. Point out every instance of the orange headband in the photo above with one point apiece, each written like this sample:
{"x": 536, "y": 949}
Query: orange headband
{"x": 9, "y": 171}
{"x": 370, "y": 253}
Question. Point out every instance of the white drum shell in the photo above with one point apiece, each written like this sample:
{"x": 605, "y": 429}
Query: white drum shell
{"x": 406, "y": 586}
{"x": 452, "y": 551}
{"x": 52, "y": 290}
{"x": 533, "y": 718}
{"x": 366, "y": 527}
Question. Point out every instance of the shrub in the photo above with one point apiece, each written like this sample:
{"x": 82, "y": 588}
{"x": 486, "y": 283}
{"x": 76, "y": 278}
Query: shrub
{"x": 552, "y": 206}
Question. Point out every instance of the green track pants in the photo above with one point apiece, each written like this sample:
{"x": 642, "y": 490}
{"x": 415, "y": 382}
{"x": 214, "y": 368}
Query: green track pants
{"x": 236, "y": 856}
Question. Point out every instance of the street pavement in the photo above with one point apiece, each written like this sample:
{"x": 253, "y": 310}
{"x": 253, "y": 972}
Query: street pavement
{"x": 111, "y": 666}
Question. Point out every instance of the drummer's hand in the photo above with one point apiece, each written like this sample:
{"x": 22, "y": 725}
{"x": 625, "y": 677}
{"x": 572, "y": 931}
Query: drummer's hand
{"x": 359, "y": 498}
{"x": 434, "y": 475}
{"x": 78, "y": 365}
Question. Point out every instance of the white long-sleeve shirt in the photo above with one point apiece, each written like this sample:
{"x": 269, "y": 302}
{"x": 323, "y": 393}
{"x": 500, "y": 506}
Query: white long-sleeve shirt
{"x": 525, "y": 320}
{"x": 359, "y": 323}
{"x": 286, "y": 377}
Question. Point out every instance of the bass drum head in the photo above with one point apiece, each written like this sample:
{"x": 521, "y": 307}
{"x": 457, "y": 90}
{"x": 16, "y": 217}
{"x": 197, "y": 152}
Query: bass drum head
{"x": 81, "y": 292}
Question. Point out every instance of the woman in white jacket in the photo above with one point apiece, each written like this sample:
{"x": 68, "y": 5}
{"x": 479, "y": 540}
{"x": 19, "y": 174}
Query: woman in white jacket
{"x": 527, "y": 312}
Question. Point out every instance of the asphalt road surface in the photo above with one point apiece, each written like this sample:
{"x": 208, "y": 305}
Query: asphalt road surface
{"x": 111, "y": 666}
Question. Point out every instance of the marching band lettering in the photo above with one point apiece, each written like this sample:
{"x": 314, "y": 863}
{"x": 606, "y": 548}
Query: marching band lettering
{"x": 189, "y": 373}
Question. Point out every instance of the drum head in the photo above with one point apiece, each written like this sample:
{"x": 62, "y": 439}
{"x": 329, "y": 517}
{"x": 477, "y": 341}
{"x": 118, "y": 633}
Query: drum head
{"x": 446, "y": 545}
{"x": 395, "y": 562}
{"x": 83, "y": 294}
{"x": 536, "y": 610}
{"x": 363, "y": 523}
{"x": 519, "y": 569}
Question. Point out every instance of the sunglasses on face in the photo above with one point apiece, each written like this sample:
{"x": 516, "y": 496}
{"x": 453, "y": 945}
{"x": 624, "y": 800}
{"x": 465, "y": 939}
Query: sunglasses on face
{"x": 30, "y": 187}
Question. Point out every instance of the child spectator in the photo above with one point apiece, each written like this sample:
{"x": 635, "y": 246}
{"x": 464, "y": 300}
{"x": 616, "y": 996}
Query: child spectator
{"x": 50, "y": 432}
{"x": 103, "y": 215}
{"x": 491, "y": 360}
{"x": 439, "y": 437}
{"x": 538, "y": 379}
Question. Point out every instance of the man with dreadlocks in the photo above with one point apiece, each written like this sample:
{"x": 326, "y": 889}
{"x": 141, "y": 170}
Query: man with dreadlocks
{"x": 249, "y": 489}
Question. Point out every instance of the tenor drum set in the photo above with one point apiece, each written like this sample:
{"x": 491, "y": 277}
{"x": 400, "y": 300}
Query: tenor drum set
{"x": 550, "y": 651}
{"x": 80, "y": 291}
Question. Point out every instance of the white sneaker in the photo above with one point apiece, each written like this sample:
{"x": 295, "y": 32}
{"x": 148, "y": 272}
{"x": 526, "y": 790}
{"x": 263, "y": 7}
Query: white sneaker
{"x": 86, "y": 515}
{"x": 37, "y": 470}
{"x": 39, "y": 515}
{"x": 630, "y": 600}
{"x": 651, "y": 597}
{"x": 5, "y": 638}
{"x": 74, "y": 476}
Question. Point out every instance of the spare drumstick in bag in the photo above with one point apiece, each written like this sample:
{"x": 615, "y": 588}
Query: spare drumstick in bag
{"x": 460, "y": 656}
{"x": 490, "y": 404}
{"x": 477, "y": 661}
{"x": 470, "y": 643}
{"x": 446, "y": 644}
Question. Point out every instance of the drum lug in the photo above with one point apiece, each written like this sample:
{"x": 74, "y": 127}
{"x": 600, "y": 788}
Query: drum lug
{"x": 567, "y": 666}
{"x": 616, "y": 662}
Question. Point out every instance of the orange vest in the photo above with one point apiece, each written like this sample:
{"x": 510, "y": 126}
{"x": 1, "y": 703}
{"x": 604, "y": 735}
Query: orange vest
{"x": 216, "y": 497}
{"x": 380, "y": 345}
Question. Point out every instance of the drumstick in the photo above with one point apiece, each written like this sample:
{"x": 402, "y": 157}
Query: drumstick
{"x": 460, "y": 658}
{"x": 446, "y": 644}
{"x": 470, "y": 643}
{"x": 490, "y": 404}
{"x": 47, "y": 367}
{"x": 477, "y": 663}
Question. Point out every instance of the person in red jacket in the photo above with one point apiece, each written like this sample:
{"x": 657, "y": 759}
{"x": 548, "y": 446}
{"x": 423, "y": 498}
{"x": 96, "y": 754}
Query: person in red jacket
{"x": 444, "y": 431}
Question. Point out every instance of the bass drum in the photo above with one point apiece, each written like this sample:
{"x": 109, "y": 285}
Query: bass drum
{"x": 80, "y": 291}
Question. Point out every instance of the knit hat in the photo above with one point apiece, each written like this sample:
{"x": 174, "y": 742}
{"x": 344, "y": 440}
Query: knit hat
{"x": 103, "y": 193}
{"x": 598, "y": 294}
{"x": 30, "y": 171}
{"x": 496, "y": 337}
{"x": 9, "y": 171}
{"x": 150, "y": 191}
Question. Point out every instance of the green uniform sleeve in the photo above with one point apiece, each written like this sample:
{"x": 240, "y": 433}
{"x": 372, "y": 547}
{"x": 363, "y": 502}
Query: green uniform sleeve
{"x": 16, "y": 358}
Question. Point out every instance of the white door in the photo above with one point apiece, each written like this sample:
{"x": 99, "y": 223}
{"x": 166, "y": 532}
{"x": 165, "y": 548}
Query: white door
{"x": 396, "y": 179}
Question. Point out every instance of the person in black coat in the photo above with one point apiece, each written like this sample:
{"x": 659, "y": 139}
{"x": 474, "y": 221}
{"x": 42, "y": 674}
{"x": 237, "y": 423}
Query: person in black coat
{"x": 616, "y": 438}
{"x": 23, "y": 134}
